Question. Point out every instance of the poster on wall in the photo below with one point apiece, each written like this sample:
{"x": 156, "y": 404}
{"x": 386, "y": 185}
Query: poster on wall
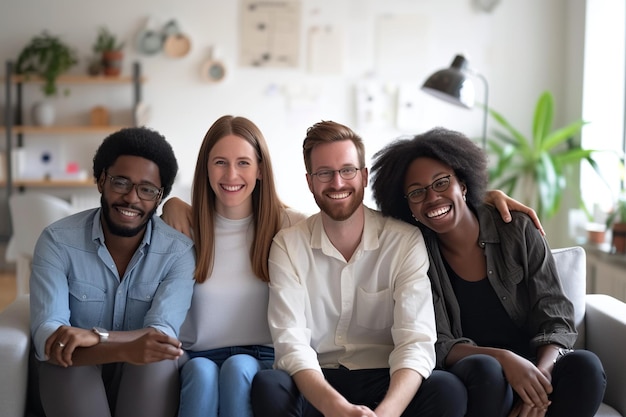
{"x": 269, "y": 33}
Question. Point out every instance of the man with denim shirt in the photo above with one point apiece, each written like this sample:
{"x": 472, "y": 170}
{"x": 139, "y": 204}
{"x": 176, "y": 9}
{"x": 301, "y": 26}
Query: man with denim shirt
{"x": 110, "y": 288}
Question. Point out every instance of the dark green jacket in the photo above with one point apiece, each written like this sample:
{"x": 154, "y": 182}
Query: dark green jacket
{"x": 523, "y": 274}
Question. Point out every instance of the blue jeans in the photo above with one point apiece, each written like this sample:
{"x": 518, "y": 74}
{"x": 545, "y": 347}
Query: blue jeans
{"x": 217, "y": 382}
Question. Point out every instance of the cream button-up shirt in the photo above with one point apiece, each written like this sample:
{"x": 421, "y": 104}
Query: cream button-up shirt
{"x": 373, "y": 311}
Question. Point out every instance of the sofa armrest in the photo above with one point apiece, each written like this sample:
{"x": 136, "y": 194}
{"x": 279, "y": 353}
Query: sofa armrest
{"x": 14, "y": 352}
{"x": 605, "y": 321}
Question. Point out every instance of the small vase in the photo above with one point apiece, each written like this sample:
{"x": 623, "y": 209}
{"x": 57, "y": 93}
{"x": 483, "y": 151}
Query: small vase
{"x": 112, "y": 63}
{"x": 43, "y": 113}
{"x": 619, "y": 237}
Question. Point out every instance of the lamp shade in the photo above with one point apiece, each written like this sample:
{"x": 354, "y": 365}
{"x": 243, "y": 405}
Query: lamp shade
{"x": 452, "y": 84}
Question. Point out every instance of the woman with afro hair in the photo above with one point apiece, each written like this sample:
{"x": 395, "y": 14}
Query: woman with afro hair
{"x": 504, "y": 326}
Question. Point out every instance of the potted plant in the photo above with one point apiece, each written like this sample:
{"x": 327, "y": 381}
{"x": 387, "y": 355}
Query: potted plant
{"x": 110, "y": 50}
{"x": 48, "y": 57}
{"x": 535, "y": 166}
{"x": 616, "y": 221}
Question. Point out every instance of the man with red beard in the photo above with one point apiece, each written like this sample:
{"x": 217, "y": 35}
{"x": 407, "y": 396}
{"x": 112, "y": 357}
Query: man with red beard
{"x": 350, "y": 309}
{"x": 110, "y": 288}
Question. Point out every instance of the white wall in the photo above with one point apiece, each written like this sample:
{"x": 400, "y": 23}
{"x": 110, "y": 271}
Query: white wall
{"x": 521, "y": 48}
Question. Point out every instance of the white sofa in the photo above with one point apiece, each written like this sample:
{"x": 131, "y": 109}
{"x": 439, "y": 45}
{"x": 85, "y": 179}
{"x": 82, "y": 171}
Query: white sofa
{"x": 600, "y": 319}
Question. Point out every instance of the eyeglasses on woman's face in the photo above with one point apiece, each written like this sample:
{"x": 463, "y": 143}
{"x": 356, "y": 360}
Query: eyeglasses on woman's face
{"x": 327, "y": 175}
{"x": 147, "y": 192}
{"x": 419, "y": 194}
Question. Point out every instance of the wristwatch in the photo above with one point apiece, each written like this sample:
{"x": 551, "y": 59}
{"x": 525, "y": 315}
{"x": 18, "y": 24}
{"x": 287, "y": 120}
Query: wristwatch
{"x": 562, "y": 352}
{"x": 102, "y": 333}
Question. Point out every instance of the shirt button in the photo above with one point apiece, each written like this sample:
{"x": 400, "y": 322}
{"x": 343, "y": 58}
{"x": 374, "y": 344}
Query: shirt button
{"x": 504, "y": 298}
{"x": 84, "y": 296}
{"x": 491, "y": 271}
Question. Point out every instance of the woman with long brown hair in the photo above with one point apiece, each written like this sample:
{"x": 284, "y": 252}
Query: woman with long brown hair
{"x": 235, "y": 213}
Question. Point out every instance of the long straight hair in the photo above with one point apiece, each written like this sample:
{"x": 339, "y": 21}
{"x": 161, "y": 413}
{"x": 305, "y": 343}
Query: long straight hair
{"x": 267, "y": 208}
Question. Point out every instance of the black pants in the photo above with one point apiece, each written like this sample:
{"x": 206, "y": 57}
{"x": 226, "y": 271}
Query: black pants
{"x": 578, "y": 384}
{"x": 275, "y": 394}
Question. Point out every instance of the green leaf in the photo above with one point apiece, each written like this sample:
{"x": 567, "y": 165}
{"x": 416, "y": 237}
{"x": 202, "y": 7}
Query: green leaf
{"x": 542, "y": 160}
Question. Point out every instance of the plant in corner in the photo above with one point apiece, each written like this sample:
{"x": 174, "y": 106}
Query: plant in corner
{"x": 534, "y": 168}
{"x": 48, "y": 57}
{"x": 616, "y": 221}
{"x": 110, "y": 50}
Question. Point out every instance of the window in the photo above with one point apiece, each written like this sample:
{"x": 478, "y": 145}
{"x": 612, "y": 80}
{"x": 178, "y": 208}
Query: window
{"x": 604, "y": 96}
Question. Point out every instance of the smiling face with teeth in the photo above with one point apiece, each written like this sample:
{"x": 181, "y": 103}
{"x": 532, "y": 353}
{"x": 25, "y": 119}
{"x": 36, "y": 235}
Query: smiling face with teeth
{"x": 233, "y": 170}
{"x": 339, "y": 198}
{"x": 440, "y": 211}
{"x": 126, "y": 215}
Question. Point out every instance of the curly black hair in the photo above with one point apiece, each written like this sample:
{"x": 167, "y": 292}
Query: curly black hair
{"x": 138, "y": 141}
{"x": 454, "y": 149}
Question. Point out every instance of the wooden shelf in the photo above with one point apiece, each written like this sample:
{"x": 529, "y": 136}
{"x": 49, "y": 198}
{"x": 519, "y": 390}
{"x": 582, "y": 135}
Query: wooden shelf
{"x": 62, "y": 130}
{"x": 76, "y": 79}
{"x": 53, "y": 183}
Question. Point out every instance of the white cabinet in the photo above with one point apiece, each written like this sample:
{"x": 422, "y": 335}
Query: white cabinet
{"x": 606, "y": 273}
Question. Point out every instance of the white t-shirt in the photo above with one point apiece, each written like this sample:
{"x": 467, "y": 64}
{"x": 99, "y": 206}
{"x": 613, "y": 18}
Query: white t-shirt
{"x": 230, "y": 307}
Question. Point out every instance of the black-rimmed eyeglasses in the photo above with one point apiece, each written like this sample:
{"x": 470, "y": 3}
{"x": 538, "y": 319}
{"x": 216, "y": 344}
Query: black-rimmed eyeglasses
{"x": 145, "y": 191}
{"x": 327, "y": 175}
{"x": 419, "y": 194}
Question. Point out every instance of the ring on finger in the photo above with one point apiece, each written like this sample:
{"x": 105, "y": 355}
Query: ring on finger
{"x": 61, "y": 345}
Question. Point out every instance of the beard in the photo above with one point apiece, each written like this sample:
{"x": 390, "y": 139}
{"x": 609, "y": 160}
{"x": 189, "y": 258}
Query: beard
{"x": 340, "y": 213}
{"x": 121, "y": 230}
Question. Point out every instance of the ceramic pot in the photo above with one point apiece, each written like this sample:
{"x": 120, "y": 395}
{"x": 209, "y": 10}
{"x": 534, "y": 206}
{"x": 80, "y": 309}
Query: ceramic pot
{"x": 43, "y": 113}
{"x": 619, "y": 237}
{"x": 112, "y": 63}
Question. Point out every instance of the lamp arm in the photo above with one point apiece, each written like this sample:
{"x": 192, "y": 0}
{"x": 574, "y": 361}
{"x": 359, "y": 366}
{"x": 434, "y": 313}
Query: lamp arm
{"x": 485, "y": 108}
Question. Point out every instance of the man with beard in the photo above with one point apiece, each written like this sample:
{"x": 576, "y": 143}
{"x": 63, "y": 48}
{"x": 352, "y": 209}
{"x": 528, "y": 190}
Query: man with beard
{"x": 110, "y": 288}
{"x": 350, "y": 309}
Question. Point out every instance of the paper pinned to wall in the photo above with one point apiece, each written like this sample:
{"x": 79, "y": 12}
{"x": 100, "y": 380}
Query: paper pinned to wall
{"x": 375, "y": 104}
{"x": 399, "y": 39}
{"x": 269, "y": 33}
{"x": 409, "y": 112}
{"x": 325, "y": 52}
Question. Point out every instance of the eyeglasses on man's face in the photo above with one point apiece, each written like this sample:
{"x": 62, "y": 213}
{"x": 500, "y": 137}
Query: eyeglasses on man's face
{"x": 419, "y": 194}
{"x": 327, "y": 175}
{"x": 147, "y": 192}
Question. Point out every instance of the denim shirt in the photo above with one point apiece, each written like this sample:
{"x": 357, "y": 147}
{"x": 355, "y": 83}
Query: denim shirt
{"x": 74, "y": 280}
{"x": 521, "y": 270}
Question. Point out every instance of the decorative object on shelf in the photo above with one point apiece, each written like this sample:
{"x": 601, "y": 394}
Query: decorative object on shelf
{"x": 43, "y": 113}
{"x": 149, "y": 41}
{"x": 99, "y": 116}
{"x": 616, "y": 221}
{"x": 142, "y": 114}
{"x": 48, "y": 57}
{"x": 110, "y": 49}
{"x": 534, "y": 166}
{"x": 454, "y": 85}
{"x": 176, "y": 44}
{"x": 213, "y": 70}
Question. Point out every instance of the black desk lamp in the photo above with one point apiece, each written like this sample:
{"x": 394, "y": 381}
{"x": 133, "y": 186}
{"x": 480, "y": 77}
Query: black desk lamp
{"x": 455, "y": 86}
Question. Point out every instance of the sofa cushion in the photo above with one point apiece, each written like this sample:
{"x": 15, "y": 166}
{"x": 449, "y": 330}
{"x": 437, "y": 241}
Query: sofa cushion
{"x": 572, "y": 267}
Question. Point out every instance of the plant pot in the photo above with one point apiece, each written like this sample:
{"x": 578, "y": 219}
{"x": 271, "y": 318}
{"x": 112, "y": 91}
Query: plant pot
{"x": 619, "y": 237}
{"x": 43, "y": 113}
{"x": 112, "y": 63}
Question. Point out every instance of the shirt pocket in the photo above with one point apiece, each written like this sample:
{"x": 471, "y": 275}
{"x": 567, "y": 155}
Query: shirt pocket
{"x": 139, "y": 301}
{"x": 374, "y": 310}
{"x": 87, "y": 303}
